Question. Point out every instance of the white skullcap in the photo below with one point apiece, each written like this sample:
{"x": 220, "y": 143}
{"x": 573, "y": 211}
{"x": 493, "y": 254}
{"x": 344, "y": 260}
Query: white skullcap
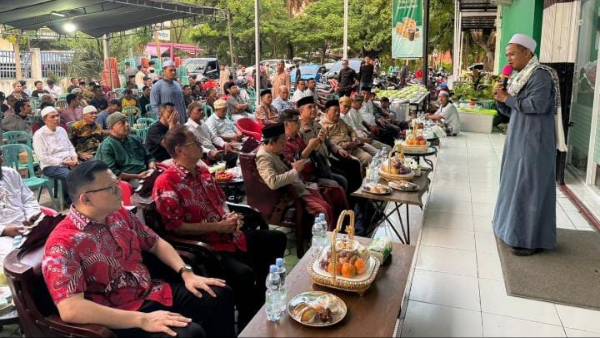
{"x": 89, "y": 109}
{"x": 525, "y": 41}
{"x": 47, "y": 111}
{"x": 443, "y": 93}
{"x": 168, "y": 64}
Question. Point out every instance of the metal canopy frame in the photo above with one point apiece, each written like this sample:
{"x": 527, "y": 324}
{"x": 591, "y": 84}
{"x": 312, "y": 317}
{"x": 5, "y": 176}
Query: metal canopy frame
{"x": 470, "y": 15}
{"x": 99, "y": 17}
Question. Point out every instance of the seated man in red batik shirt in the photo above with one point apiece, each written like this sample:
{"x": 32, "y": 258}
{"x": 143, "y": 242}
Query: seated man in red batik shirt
{"x": 191, "y": 204}
{"x": 94, "y": 271}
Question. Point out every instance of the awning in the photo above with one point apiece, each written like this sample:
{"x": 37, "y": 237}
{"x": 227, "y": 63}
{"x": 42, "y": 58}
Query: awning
{"x": 477, "y": 14}
{"x": 99, "y": 17}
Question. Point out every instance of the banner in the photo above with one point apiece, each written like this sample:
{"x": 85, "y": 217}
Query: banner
{"x": 407, "y": 29}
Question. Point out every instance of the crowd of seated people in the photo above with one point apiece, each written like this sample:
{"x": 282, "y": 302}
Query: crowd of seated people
{"x": 318, "y": 151}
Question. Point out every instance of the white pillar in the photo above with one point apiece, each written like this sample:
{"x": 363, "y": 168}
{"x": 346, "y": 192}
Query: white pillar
{"x": 345, "y": 29}
{"x": 257, "y": 49}
{"x": 36, "y": 64}
{"x": 456, "y": 49}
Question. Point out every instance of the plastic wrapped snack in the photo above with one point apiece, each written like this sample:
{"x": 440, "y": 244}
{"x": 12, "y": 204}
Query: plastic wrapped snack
{"x": 381, "y": 248}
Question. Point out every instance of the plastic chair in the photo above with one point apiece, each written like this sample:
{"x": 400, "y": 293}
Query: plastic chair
{"x": 149, "y": 111}
{"x": 142, "y": 133}
{"x": 132, "y": 114}
{"x": 208, "y": 111}
{"x": 17, "y": 137}
{"x": 120, "y": 91}
{"x": 11, "y": 158}
{"x": 62, "y": 96}
{"x": 249, "y": 128}
{"x": 126, "y": 192}
{"x": 146, "y": 121}
{"x": 62, "y": 104}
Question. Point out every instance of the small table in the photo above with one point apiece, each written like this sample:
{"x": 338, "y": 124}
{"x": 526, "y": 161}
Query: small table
{"x": 399, "y": 198}
{"x": 233, "y": 188}
{"x": 418, "y": 154}
{"x": 372, "y": 315}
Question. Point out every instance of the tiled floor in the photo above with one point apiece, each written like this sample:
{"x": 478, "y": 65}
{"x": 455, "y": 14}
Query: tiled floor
{"x": 457, "y": 287}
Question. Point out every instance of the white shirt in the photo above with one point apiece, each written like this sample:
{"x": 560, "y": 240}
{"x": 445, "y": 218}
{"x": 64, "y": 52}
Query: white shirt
{"x": 450, "y": 116}
{"x": 205, "y": 136}
{"x": 313, "y": 94}
{"x": 354, "y": 120}
{"x": 52, "y": 147}
{"x": 139, "y": 79}
{"x": 366, "y": 112}
{"x": 17, "y": 202}
{"x": 55, "y": 91}
{"x": 300, "y": 94}
{"x": 221, "y": 127}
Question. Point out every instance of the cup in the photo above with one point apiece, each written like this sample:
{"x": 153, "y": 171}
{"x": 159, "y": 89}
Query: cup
{"x": 221, "y": 166}
{"x": 411, "y": 34}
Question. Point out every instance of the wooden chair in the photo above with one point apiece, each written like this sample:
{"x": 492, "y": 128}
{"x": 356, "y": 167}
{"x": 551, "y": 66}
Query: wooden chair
{"x": 38, "y": 315}
{"x": 282, "y": 207}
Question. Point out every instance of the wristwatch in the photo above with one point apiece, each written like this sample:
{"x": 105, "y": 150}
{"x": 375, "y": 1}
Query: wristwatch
{"x": 185, "y": 268}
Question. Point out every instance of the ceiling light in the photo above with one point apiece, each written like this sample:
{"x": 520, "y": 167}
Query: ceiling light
{"x": 58, "y": 14}
{"x": 69, "y": 27}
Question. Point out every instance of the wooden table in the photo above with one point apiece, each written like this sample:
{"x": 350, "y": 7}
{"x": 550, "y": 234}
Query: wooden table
{"x": 399, "y": 198}
{"x": 373, "y": 315}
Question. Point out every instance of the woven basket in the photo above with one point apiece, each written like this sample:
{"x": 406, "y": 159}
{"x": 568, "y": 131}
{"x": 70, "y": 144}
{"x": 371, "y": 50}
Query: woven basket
{"x": 395, "y": 177}
{"x": 333, "y": 280}
{"x": 419, "y": 148}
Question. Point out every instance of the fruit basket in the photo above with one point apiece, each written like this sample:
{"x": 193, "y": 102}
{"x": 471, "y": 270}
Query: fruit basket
{"x": 415, "y": 140}
{"x": 394, "y": 169}
{"x": 346, "y": 264}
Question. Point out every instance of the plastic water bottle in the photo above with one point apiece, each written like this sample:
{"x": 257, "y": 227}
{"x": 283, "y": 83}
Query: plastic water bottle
{"x": 317, "y": 237}
{"x": 273, "y": 295}
{"x": 282, "y": 285}
{"x": 324, "y": 228}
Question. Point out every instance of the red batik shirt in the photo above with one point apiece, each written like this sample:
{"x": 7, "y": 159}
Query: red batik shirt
{"x": 182, "y": 198}
{"x": 102, "y": 261}
{"x": 293, "y": 149}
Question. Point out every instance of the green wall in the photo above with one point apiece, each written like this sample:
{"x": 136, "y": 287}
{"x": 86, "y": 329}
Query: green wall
{"x": 524, "y": 17}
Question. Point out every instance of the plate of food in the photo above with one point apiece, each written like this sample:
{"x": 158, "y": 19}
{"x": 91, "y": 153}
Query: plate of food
{"x": 377, "y": 189}
{"x": 404, "y": 186}
{"x": 317, "y": 309}
{"x": 224, "y": 176}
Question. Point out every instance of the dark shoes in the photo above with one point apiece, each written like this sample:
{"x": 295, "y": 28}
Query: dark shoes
{"x": 524, "y": 252}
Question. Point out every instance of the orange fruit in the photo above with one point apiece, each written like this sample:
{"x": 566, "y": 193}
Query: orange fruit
{"x": 348, "y": 270}
{"x": 360, "y": 266}
{"x": 338, "y": 267}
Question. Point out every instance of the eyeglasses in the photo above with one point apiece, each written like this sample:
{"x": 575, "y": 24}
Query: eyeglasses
{"x": 115, "y": 188}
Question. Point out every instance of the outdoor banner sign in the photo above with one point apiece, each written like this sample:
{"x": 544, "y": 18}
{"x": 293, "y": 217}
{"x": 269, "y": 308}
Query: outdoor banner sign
{"x": 407, "y": 29}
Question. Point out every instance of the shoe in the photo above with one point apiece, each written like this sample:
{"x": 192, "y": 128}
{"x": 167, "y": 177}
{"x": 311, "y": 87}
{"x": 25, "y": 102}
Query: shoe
{"x": 524, "y": 252}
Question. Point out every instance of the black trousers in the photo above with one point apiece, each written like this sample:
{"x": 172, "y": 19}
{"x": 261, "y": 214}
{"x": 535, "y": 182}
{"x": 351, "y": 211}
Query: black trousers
{"x": 230, "y": 158}
{"x": 350, "y": 169}
{"x": 211, "y": 317}
{"x": 246, "y": 272}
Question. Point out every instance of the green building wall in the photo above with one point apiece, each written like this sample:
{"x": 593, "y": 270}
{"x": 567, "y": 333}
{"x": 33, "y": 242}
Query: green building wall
{"x": 524, "y": 17}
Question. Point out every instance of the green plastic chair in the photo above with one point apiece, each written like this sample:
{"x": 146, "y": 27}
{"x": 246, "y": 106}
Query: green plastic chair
{"x": 141, "y": 133}
{"x": 251, "y": 93}
{"x": 146, "y": 121}
{"x": 208, "y": 111}
{"x": 17, "y": 137}
{"x": 119, "y": 90}
{"x": 132, "y": 114}
{"x": 332, "y": 97}
{"x": 11, "y": 159}
{"x": 62, "y": 96}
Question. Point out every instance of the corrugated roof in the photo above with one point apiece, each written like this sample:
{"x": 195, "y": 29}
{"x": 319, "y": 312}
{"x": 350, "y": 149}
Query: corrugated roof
{"x": 99, "y": 17}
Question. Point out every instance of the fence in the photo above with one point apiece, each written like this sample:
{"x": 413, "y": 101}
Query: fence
{"x": 7, "y": 65}
{"x": 56, "y": 62}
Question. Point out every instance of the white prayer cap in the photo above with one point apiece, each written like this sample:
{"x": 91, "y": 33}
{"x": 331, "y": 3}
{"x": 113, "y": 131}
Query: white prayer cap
{"x": 443, "y": 93}
{"x": 89, "y": 109}
{"x": 525, "y": 41}
{"x": 47, "y": 111}
{"x": 168, "y": 64}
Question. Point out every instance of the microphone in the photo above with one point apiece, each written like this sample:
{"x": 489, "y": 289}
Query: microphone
{"x": 506, "y": 73}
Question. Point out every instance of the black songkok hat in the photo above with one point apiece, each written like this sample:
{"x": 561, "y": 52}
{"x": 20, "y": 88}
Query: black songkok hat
{"x": 305, "y": 100}
{"x": 332, "y": 103}
{"x": 273, "y": 130}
